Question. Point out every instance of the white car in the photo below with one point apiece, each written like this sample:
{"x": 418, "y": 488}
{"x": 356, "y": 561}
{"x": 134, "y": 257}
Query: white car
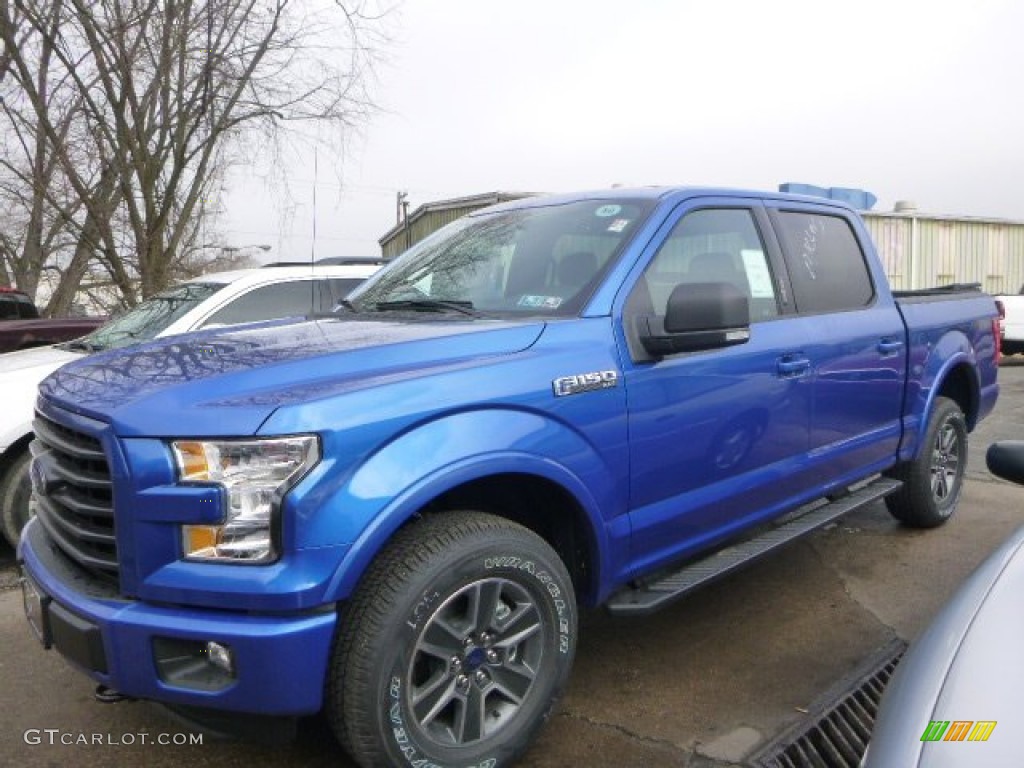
{"x": 1012, "y": 322}
{"x": 223, "y": 298}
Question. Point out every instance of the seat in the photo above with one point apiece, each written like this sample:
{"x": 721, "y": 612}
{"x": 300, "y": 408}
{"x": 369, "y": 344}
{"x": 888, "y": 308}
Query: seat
{"x": 574, "y": 270}
{"x": 715, "y": 267}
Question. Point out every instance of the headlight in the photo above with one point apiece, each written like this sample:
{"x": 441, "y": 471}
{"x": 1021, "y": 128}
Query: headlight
{"x": 256, "y": 474}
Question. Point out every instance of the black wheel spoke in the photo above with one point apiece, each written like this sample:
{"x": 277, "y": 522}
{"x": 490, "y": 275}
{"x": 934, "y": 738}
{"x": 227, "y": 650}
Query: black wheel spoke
{"x": 513, "y": 681}
{"x": 433, "y": 696}
{"x": 521, "y": 624}
{"x": 483, "y": 604}
{"x": 469, "y": 726}
{"x": 440, "y": 639}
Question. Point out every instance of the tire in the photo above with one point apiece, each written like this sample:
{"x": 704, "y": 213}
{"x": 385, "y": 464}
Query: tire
{"x": 15, "y": 489}
{"x": 420, "y": 647}
{"x": 933, "y": 482}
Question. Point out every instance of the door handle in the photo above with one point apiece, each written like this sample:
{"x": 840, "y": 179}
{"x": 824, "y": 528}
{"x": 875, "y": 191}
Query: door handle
{"x": 792, "y": 366}
{"x": 889, "y": 347}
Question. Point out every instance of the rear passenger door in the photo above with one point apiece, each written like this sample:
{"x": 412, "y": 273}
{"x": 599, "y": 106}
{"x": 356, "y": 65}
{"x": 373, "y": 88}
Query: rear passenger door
{"x": 856, "y": 346}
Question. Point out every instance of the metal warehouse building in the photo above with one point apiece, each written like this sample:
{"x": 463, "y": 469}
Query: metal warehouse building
{"x": 430, "y": 217}
{"x": 919, "y": 250}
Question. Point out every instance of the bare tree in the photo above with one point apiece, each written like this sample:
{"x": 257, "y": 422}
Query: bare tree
{"x": 138, "y": 107}
{"x": 30, "y": 175}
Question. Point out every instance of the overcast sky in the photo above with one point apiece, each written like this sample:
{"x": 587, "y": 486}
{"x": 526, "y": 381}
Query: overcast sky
{"x": 910, "y": 100}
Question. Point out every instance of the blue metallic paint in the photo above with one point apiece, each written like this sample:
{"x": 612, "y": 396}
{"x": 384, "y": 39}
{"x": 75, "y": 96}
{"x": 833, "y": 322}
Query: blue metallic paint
{"x": 940, "y": 343}
{"x": 284, "y": 655}
{"x": 409, "y": 410}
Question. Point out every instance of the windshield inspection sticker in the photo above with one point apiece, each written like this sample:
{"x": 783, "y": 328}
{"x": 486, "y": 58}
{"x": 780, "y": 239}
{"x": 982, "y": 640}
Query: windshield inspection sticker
{"x": 606, "y": 211}
{"x": 545, "y": 302}
{"x": 618, "y": 225}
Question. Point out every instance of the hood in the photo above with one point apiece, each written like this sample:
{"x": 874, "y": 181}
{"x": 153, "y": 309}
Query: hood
{"x": 20, "y": 374}
{"x": 966, "y": 665}
{"x": 228, "y": 382}
{"x": 36, "y": 357}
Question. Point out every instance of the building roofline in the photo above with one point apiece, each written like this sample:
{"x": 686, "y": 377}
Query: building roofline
{"x": 951, "y": 217}
{"x": 484, "y": 199}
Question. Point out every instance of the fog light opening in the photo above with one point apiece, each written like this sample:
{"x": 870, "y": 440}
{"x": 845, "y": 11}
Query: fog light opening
{"x": 199, "y": 665}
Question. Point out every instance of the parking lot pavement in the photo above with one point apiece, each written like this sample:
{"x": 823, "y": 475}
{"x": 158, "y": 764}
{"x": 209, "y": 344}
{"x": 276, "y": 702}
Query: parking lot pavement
{"x": 700, "y": 684}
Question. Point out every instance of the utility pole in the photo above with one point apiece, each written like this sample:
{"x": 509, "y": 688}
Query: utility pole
{"x": 400, "y": 203}
{"x": 403, "y": 216}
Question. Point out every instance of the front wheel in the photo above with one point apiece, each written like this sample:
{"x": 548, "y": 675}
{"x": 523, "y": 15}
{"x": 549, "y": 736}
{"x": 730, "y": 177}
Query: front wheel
{"x": 455, "y": 647}
{"x": 933, "y": 482}
{"x": 15, "y": 490}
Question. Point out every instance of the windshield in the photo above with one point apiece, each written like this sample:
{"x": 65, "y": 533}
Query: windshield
{"x": 545, "y": 260}
{"x": 146, "y": 320}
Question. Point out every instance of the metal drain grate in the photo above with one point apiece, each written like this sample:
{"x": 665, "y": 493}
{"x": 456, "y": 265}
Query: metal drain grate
{"x": 837, "y": 729}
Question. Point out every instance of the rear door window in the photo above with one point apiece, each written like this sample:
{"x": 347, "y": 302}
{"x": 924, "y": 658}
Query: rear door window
{"x": 825, "y": 261}
{"x": 291, "y": 299}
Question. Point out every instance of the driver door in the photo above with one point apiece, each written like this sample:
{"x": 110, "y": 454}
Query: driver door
{"x": 716, "y": 436}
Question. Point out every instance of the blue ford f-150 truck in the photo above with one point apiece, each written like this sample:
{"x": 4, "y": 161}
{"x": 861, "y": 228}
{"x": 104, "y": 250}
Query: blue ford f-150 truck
{"x": 393, "y": 515}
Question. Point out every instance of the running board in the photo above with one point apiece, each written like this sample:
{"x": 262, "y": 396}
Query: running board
{"x": 649, "y": 597}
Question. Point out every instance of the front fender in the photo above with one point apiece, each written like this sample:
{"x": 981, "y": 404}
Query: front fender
{"x": 928, "y": 372}
{"x": 400, "y": 478}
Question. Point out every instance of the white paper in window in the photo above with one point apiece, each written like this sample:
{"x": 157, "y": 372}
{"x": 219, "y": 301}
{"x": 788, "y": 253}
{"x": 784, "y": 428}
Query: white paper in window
{"x": 758, "y": 276}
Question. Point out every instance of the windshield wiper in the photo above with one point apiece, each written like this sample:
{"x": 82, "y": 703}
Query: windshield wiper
{"x": 78, "y": 345}
{"x": 429, "y": 305}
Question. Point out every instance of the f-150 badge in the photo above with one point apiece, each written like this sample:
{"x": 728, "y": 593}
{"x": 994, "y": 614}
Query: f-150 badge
{"x": 584, "y": 382}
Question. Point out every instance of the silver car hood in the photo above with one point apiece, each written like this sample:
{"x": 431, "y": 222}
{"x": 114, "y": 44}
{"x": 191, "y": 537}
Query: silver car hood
{"x": 968, "y": 666}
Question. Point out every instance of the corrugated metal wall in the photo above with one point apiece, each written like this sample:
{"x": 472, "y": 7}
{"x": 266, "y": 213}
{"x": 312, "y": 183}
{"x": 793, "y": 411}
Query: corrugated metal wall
{"x": 920, "y": 251}
{"x": 424, "y": 225}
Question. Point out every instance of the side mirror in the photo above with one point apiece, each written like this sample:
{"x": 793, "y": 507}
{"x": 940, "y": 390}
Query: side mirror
{"x": 1006, "y": 460}
{"x": 698, "y": 316}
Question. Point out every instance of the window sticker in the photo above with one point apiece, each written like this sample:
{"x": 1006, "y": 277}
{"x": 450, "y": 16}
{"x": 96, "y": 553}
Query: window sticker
{"x": 545, "y": 302}
{"x": 618, "y": 225}
{"x": 758, "y": 276}
{"x": 607, "y": 211}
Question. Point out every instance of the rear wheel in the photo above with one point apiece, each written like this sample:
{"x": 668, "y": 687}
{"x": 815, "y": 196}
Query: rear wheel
{"x": 15, "y": 490}
{"x": 933, "y": 482}
{"x": 455, "y": 647}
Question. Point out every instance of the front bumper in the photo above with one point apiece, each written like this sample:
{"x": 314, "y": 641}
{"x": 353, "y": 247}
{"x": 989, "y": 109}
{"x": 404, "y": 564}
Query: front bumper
{"x": 280, "y": 661}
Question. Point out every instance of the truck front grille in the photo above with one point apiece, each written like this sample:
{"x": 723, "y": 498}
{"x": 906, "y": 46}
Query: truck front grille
{"x": 74, "y": 495}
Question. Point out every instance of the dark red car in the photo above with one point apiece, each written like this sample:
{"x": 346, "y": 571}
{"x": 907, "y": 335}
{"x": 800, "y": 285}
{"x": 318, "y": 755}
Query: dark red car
{"x": 21, "y": 327}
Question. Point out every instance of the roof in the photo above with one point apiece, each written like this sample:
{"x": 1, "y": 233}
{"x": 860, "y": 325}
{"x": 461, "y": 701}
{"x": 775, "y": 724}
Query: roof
{"x": 663, "y": 193}
{"x": 316, "y": 270}
{"x": 476, "y": 201}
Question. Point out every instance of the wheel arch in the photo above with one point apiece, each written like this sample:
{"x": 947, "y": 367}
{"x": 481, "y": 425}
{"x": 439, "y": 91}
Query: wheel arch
{"x": 13, "y": 451}
{"x": 960, "y": 384}
{"x": 948, "y": 373}
{"x": 539, "y": 494}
